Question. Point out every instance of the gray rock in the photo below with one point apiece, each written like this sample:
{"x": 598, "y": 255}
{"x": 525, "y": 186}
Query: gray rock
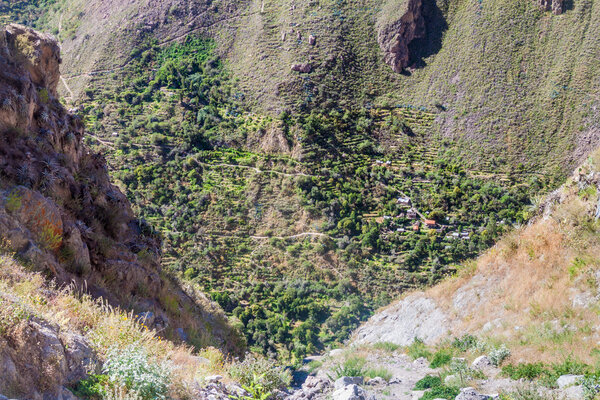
{"x": 573, "y": 392}
{"x": 568, "y": 380}
{"x": 395, "y": 381}
{"x": 237, "y": 390}
{"x": 421, "y": 362}
{"x": 417, "y": 394}
{"x": 65, "y": 394}
{"x": 8, "y": 370}
{"x": 471, "y": 394}
{"x": 351, "y": 392}
{"x": 348, "y": 381}
{"x": 147, "y": 318}
{"x": 302, "y": 68}
{"x": 213, "y": 378}
{"x": 482, "y": 362}
{"x": 336, "y": 352}
{"x": 312, "y": 40}
{"x": 377, "y": 381}
{"x": 79, "y": 356}
{"x": 414, "y": 316}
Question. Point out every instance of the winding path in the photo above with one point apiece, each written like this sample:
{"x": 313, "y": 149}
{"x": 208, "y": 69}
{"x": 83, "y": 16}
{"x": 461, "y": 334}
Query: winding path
{"x": 316, "y": 234}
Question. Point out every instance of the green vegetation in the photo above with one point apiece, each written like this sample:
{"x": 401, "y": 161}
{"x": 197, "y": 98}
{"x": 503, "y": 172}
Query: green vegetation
{"x": 440, "y": 358}
{"x": 435, "y": 389}
{"x": 546, "y": 374}
{"x": 26, "y": 12}
{"x": 418, "y": 349}
{"x": 260, "y": 376}
{"x": 441, "y": 392}
{"x": 430, "y": 381}
{"x": 352, "y": 366}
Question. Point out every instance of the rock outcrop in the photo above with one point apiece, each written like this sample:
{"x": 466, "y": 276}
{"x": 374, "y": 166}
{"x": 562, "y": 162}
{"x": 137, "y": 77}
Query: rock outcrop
{"x": 556, "y": 6}
{"x": 38, "y": 360}
{"x": 415, "y": 316}
{"x": 59, "y": 210}
{"x": 400, "y": 24}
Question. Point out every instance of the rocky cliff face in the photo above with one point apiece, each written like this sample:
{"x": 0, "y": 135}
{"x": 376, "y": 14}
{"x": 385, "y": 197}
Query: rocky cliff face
{"x": 394, "y": 36}
{"x": 59, "y": 210}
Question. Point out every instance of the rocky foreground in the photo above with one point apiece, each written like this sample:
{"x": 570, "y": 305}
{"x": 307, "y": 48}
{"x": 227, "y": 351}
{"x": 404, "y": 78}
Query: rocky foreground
{"x": 406, "y": 373}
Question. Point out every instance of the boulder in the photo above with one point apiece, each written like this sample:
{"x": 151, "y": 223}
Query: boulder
{"x": 568, "y": 380}
{"x": 347, "y": 381}
{"x": 351, "y": 392}
{"x": 305, "y": 68}
{"x": 482, "y": 362}
{"x": 79, "y": 355}
{"x": 471, "y": 394}
{"x": 312, "y": 40}
{"x": 377, "y": 381}
{"x": 213, "y": 378}
{"x": 573, "y": 393}
{"x": 421, "y": 362}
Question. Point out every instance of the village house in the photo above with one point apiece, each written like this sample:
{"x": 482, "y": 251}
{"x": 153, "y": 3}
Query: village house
{"x": 416, "y": 226}
{"x": 404, "y": 201}
{"x": 411, "y": 214}
{"x": 430, "y": 223}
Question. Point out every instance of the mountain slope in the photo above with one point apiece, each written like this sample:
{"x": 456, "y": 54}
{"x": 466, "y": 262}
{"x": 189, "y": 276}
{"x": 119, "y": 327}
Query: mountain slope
{"x": 509, "y": 76}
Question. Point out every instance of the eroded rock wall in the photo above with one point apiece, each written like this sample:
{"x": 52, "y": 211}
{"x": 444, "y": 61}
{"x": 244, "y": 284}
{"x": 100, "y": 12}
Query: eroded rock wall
{"x": 397, "y": 28}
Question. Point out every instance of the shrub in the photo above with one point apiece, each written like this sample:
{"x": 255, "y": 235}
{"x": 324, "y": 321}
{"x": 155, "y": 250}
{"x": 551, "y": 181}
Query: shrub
{"x": 440, "y": 358}
{"x": 352, "y": 366}
{"x": 131, "y": 367}
{"x": 257, "y": 370}
{"x": 93, "y": 387}
{"x": 418, "y": 349}
{"x": 441, "y": 392}
{"x": 498, "y": 355}
{"x": 566, "y": 367}
{"x": 467, "y": 342}
{"x": 460, "y": 369}
{"x": 430, "y": 381}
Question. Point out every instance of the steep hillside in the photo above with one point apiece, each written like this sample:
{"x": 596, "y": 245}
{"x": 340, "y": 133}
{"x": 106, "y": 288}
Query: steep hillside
{"x": 536, "y": 291}
{"x": 60, "y": 213}
{"x": 507, "y": 75}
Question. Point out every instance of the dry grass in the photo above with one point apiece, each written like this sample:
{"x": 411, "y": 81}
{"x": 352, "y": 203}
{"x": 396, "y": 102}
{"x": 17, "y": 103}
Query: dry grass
{"x": 25, "y": 294}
